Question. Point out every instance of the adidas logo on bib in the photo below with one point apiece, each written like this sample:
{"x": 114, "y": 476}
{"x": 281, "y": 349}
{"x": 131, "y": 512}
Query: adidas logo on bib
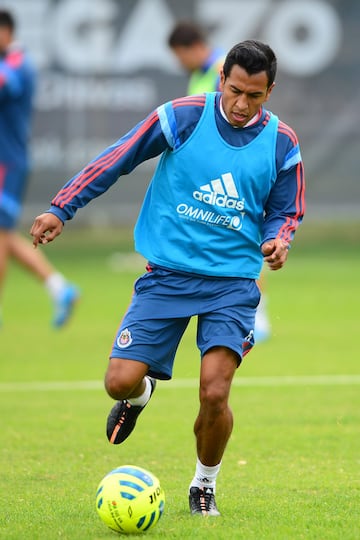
{"x": 220, "y": 192}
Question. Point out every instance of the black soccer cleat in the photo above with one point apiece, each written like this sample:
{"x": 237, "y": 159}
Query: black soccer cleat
{"x": 202, "y": 502}
{"x": 122, "y": 418}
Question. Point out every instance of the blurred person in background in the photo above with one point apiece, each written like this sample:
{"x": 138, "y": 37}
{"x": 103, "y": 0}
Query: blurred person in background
{"x": 189, "y": 42}
{"x": 17, "y": 87}
{"x": 222, "y": 201}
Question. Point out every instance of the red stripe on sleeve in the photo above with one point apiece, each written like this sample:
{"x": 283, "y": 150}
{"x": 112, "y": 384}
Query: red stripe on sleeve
{"x": 291, "y": 224}
{"x": 189, "y": 101}
{"x": 286, "y": 130}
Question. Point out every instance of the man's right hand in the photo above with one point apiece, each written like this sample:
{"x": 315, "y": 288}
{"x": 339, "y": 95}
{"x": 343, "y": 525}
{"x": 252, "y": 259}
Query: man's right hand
{"x": 45, "y": 228}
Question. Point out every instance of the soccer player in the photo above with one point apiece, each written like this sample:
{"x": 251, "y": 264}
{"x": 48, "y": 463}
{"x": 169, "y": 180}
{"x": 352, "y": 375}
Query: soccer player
{"x": 17, "y": 84}
{"x": 227, "y": 194}
{"x": 189, "y": 43}
{"x": 203, "y": 62}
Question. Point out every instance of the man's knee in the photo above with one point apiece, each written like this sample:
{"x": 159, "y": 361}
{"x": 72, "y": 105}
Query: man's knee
{"x": 214, "y": 397}
{"x": 123, "y": 376}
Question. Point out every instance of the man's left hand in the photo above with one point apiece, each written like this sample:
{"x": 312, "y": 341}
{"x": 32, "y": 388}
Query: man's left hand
{"x": 275, "y": 253}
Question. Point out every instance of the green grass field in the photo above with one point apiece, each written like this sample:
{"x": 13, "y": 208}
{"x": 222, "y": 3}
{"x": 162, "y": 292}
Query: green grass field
{"x": 291, "y": 469}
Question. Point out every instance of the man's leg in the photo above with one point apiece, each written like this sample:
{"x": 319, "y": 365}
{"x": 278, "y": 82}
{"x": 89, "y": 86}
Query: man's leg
{"x": 262, "y": 323}
{"x": 213, "y": 426}
{"x": 214, "y": 423}
{"x": 126, "y": 381}
{"x": 63, "y": 293}
{"x": 32, "y": 259}
{"x": 4, "y": 253}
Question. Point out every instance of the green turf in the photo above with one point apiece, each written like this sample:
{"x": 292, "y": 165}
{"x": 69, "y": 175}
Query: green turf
{"x": 291, "y": 469}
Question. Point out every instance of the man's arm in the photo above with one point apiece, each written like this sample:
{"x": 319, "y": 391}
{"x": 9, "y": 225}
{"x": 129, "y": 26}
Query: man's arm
{"x": 285, "y": 206}
{"x": 11, "y": 83}
{"x": 143, "y": 142}
{"x": 167, "y": 127}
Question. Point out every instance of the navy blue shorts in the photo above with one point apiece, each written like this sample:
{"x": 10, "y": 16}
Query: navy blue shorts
{"x": 12, "y": 189}
{"x": 162, "y": 305}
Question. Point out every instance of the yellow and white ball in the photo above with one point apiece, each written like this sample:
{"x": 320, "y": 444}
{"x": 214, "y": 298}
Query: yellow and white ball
{"x": 129, "y": 499}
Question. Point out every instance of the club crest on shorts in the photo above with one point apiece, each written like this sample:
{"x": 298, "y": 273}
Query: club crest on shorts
{"x": 124, "y": 339}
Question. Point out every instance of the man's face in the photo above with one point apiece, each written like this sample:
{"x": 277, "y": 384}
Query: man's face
{"x": 191, "y": 57}
{"x": 5, "y": 38}
{"x": 243, "y": 94}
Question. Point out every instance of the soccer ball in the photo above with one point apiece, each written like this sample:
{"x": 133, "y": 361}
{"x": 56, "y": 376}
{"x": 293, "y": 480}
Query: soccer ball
{"x": 129, "y": 499}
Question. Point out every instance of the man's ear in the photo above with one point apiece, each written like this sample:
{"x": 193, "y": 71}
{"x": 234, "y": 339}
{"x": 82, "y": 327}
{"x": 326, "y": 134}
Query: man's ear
{"x": 222, "y": 80}
{"x": 269, "y": 90}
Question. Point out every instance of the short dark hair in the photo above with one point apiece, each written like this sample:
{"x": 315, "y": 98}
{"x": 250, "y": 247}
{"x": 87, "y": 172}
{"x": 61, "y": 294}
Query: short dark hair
{"x": 185, "y": 34}
{"x": 7, "y": 20}
{"x": 254, "y": 56}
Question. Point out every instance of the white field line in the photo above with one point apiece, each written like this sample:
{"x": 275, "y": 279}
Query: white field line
{"x": 300, "y": 380}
